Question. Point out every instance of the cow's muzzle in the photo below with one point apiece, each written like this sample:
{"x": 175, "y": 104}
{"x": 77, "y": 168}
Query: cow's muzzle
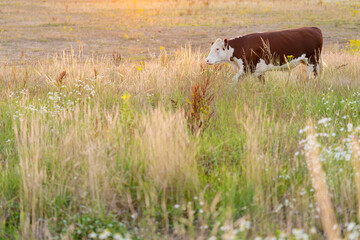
{"x": 208, "y": 61}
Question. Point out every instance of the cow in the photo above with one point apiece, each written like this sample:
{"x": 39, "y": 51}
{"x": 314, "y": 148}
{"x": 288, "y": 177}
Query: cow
{"x": 261, "y": 52}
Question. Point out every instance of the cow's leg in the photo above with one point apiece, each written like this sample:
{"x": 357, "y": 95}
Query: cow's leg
{"x": 313, "y": 67}
{"x": 235, "y": 67}
{"x": 313, "y": 70}
{"x": 310, "y": 70}
{"x": 261, "y": 78}
{"x": 240, "y": 65}
{"x": 261, "y": 68}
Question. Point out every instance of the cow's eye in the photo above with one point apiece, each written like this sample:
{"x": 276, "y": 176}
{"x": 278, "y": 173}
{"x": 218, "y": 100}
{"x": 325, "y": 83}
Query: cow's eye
{"x": 217, "y": 49}
{"x": 224, "y": 49}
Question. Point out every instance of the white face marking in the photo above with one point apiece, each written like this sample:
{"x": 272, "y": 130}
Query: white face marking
{"x": 219, "y": 53}
{"x": 262, "y": 67}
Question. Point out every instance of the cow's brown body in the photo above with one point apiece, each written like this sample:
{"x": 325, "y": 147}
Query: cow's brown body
{"x": 277, "y": 47}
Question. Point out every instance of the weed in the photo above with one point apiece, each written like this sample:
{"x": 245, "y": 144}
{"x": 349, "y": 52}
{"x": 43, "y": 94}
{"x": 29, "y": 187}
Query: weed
{"x": 116, "y": 58}
{"x": 200, "y": 109}
{"x": 60, "y": 79}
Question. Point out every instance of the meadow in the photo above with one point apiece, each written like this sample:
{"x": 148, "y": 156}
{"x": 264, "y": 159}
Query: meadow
{"x": 112, "y": 126}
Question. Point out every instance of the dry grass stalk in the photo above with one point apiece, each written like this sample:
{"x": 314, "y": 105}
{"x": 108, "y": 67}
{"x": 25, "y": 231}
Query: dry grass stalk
{"x": 256, "y": 125}
{"x": 28, "y": 139}
{"x": 356, "y": 166}
{"x": 322, "y": 195}
{"x": 252, "y": 121}
{"x": 168, "y": 153}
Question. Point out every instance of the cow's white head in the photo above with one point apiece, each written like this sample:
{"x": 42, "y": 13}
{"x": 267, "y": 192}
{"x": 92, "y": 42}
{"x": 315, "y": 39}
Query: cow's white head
{"x": 220, "y": 52}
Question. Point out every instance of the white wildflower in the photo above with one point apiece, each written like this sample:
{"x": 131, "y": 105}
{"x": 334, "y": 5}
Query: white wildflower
{"x": 350, "y": 226}
{"x": 313, "y": 230}
{"x": 92, "y": 235}
{"x": 105, "y": 234}
{"x": 324, "y": 120}
{"x": 117, "y": 236}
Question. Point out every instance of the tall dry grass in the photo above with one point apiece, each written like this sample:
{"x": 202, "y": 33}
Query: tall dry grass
{"x": 168, "y": 153}
{"x": 356, "y": 167}
{"x": 58, "y": 159}
{"x": 322, "y": 196}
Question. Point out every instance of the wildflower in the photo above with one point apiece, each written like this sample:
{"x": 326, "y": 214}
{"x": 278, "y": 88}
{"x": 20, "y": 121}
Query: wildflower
{"x": 176, "y": 206}
{"x": 105, "y": 234}
{"x": 278, "y": 208}
{"x": 92, "y": 235}
{"x": 350, "y": 227}
{"x": 117, "y": 236}
{"x": 127, "y": 237}
{"x": 304, "y": 130}
{"x": 282, "y": 235}
{"x": 270, "y": 238}
{"x": 290, "y": 57}
{"x": 225, "y": 228}
{"x": 354, "y": 235}
{"x": 247, "y": 224}
{"x": 335, "y": 227}
{"x": 349, "y": 127}
{"x": 126, "y": 96}
{"x": 324, "y": 120}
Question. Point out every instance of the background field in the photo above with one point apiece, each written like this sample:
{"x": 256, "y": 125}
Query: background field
{"x": 111, "y": 126}
{"x": 33, "y": 29}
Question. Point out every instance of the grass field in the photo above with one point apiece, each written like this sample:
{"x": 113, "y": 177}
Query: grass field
{"x": 112, "y": 127}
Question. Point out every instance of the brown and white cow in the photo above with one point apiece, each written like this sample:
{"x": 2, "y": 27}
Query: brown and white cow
{"x": 262, "y": 52}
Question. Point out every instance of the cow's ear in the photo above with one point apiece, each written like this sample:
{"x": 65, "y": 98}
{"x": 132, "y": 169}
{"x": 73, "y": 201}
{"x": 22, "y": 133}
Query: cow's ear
{"x": 226, "y": 43}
